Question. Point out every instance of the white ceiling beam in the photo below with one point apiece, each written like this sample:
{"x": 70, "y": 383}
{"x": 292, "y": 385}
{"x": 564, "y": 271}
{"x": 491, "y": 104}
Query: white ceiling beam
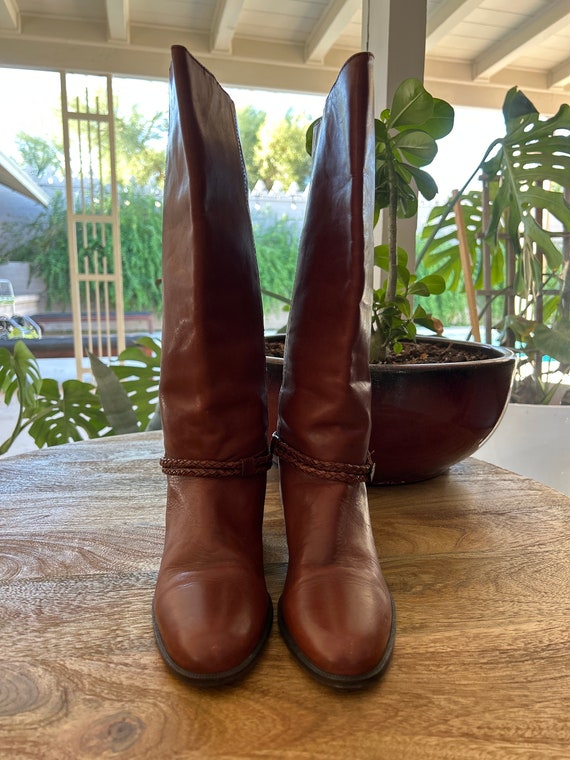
{"x": 559, "y": 76}
{"x": 329, "y": 28}
{"x": 9, "y": 15}
{"x": 554, "y": 18}
{"x": 226, "y": 17}
{"x": 118, "y": 20}
{"x": 446, "y": 16}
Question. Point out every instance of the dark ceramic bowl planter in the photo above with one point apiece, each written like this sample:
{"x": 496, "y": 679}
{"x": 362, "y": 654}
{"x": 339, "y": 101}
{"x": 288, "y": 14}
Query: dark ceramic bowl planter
{"x": 426, "y": 417}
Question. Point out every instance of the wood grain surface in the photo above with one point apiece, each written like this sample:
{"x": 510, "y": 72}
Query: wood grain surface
{"x": 478, "y": 562}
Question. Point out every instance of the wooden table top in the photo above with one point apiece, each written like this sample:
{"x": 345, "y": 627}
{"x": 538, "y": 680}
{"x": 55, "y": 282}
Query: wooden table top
{"x": 478, "y": 562}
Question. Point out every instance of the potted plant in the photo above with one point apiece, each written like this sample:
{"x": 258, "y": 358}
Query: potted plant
{"x": 427, "y": 414}
{"x": 517, "y": 233}
{"x": 123, "y": 401}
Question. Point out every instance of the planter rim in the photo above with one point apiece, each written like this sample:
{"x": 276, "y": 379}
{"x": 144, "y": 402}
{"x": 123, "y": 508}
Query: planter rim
{"x": 499, "y": 355}
{"x": 523, "y": 406}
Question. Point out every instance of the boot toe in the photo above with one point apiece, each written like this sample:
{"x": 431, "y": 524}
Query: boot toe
{"x": 342, "y": 631}
{"x": 209, "y": 634}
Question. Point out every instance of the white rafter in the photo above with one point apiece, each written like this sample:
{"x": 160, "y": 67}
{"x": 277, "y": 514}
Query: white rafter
{"x": 559, "y": 76}
{"x": 224, "y": 25}
{"x": 118, "y": 19}
{"x": 553, "y": 19}
{"x": 329, "y": 27}
{"x": 446, "y": 16}
{"x": 9, "y": 15}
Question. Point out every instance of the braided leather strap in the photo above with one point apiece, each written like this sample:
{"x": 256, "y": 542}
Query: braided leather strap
{"x": 345, "y": 473}
{"x": 212, "y": 468}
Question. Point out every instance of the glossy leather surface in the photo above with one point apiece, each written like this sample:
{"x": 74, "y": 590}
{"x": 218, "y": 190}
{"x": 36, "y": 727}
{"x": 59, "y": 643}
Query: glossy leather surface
{"x": 336, "y": 611}
{"x": 211, "y": 608}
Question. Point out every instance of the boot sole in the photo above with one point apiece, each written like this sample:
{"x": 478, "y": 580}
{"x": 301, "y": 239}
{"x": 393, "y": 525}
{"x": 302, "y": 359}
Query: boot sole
{"x": 338, "y": 681}
{"x": 224, "y": 677}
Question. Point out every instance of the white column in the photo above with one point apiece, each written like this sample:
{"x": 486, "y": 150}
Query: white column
{"x": 395, "y": 31}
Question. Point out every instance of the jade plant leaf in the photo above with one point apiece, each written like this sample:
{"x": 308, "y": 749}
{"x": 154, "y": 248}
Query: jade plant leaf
{"x": 441, "y": 121}
{"x": 416, "y": 146}
{"x": 411, "y": 105}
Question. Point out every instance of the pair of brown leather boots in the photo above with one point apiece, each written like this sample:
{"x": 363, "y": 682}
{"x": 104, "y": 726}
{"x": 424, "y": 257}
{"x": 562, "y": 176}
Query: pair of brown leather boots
{"x": 212, "y": 612}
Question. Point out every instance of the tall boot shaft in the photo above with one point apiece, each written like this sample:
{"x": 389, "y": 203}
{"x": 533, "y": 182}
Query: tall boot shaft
{"x": 212, "y": 613}
{"x": 213, "y": 363}
{"x": 325, "y": 396}
{"x": 335, "y": 612}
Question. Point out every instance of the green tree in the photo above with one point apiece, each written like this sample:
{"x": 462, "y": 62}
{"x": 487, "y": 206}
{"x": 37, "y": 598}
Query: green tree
{"x": 276, "y": 243}
{"x": 281, "y": 151}
{"x": 141, "y": 249}
{"x": 140, "y": 170}
{"x": 39, "y": 155}
{"x": 250, "y": 121}
{"x": 44, "y": 244}
{"x": 140, "y": 148}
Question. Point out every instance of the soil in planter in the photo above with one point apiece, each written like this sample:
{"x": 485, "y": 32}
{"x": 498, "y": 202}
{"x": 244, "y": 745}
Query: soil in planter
{"x": 413, "y": 353}
{"x": 275, "y": 348}
{"x": 436, "y": 353}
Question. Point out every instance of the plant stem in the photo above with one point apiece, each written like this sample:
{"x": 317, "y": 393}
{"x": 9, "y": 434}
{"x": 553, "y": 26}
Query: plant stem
{"x": 453, "y": 200}
{"x": 565, "y": 292}
{"x": 18, "y": 428}
{"x": 392, "y": 235}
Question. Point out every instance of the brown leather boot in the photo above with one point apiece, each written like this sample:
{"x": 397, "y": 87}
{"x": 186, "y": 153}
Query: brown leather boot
{"x": 336, "y": 612}
{"x": 212, "y": 613}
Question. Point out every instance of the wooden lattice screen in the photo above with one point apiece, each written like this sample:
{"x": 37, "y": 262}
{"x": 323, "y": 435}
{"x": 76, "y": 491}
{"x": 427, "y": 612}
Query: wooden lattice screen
{"x": 92, "y": 217}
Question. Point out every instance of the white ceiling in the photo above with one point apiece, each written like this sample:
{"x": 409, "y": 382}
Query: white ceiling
{"x": 475, "y": 49}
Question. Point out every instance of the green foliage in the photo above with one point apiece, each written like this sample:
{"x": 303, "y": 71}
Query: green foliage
{"x": 140, "y": 162}
{"x": 138, "y": 371}
{"x": 51, "y": 415}
{"x": 124, "y": 400}
{"x": 279, "y": 154}
{"x": 524, "y": 170}
{"x": 141, "y": 249}
{"x": 396, "y": 320}
{"x": 405, "y": 140}
{"x": 531, "y": 153}
{"x": 406, "y": 135}
{"x": 70, "y": 413}
{"x": 250, "y": 121}
{"x": 39, "y": 155}
{"x": 276, "y": 243}
{"x": 443, "y": 255}
{"x": 43, "y": 243}
{"x": 114, "y": 399}
{"x": 140, "y": 149}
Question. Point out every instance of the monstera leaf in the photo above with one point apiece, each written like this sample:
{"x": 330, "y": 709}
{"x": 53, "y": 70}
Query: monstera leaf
{"x": 441, "y": 251}
{"x": 71, "y": 413}
{"x": 19, "y": 378}
{"x": 20, "y": 375}
{"x": 114, "y": 400}
{"x": 531, "y": 165}
{"x": 139, "y": 373}
{"x": 129, "y": 390}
